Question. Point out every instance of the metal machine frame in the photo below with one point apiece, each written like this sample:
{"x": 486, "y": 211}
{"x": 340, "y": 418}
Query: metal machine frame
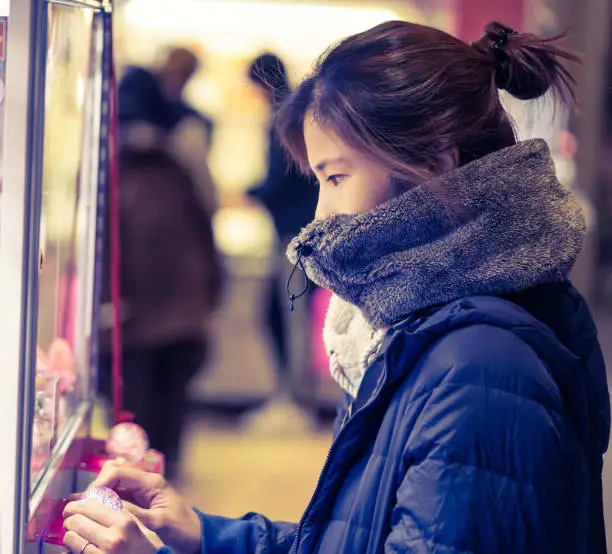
{"x": 20, "y": 214}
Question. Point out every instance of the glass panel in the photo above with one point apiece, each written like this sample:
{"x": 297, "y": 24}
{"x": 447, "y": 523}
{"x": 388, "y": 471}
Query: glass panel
{"x": 71, "y": 139}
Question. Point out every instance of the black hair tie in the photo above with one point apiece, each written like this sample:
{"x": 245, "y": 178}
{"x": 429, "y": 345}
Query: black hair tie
{"x": 502, "y": 41}
{"x": 500, "y": 57}
{"x": 303, "y": 250}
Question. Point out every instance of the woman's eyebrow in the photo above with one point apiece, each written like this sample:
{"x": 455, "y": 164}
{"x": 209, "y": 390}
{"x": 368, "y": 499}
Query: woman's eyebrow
{"x": 323, "y": 164}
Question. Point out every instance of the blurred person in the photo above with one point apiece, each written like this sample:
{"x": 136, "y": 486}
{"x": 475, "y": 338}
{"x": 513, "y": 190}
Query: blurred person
{"x": 477, "y": 411}
{"x": 170, "y": 271}
{"x": 291, "y": 199}
{"x": 156, "y": 95}
{"x": 170, "y": 282}
{"x": 152, "y": 108}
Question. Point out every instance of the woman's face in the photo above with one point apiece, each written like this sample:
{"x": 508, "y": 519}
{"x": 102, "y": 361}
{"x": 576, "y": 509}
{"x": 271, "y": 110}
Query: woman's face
{"x": 349, "y": 182}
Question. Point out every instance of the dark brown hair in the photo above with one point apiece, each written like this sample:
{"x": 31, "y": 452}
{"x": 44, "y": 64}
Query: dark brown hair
{"x": 268, "y": 72}
{"x": 403, "y": 93}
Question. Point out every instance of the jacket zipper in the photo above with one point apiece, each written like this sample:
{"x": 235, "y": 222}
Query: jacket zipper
{"x": 323, "y": 473}
{"x": 349, "y": 415}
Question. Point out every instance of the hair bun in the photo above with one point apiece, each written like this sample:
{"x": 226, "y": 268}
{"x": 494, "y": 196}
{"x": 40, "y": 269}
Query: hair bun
{"x": 526, "y": 65}
{"x": 498, "y": 38}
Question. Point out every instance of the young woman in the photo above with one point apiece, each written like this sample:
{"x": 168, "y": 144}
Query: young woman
{"x": 477, "y": 408}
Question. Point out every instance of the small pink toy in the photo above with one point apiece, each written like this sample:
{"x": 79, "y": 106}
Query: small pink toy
{"x": 105, "y": 496}
{"x": 128, "y": 441}
{"x": 60, "y": 356}
{"x": 61, "y": 363}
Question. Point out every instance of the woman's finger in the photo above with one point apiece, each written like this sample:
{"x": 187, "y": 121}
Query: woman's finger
{"x": 150, "y": 535}
{"x": 114, "y": 471}
{"x": 141, "y": 513}
{"x": 139, "y": 485}
{"x": 111, "y": 472}
{"x": 113, "y": 538}
{"x": 94, "y": 511}
{"x": 149, "y": 518}
{"x": 75, "y": 543}
{"x": 86, "y": 528}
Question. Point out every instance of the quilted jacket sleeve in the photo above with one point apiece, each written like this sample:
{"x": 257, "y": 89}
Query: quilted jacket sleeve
{"x": 492, "y": 459}
{"x": 251, "y": 534}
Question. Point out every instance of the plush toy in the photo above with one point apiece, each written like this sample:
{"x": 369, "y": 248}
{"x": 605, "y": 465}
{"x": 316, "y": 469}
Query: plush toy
{"x": 105, "y": 496}
{"x": 61, "y": 364}
{"x": 129, "y": 442}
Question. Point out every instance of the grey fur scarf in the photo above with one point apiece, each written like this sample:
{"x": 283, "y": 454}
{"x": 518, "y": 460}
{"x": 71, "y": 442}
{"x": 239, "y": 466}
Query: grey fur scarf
{"x": 500, "y": 224}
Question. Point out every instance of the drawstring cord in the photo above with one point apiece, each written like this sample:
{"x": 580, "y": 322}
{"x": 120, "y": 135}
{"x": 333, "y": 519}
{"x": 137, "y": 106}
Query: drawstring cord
{"x": 303, "y": 250}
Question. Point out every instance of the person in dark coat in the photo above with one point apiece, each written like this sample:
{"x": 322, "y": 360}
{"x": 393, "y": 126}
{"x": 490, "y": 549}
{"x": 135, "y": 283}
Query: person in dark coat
{"x": 170, "y": 271}
{"x": 153, "y": 111}
{"x": 290, "y": 198}
{"x": 288, "y": 195}
{"x": 155, "y": 96}
{"x": 477, "y": 410}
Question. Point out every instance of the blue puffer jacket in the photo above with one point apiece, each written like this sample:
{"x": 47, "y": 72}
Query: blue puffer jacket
{"x": 478, "y": 430}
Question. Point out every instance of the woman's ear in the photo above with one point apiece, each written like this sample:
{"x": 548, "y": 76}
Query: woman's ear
{"x": 447, "y": 161}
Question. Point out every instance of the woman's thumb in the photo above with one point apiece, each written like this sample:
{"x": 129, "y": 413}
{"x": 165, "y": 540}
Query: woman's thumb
{"x": 142, "y": 519}
{"x": 142, "y": 514}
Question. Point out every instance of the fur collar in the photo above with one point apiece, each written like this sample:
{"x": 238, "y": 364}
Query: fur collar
{"x": 500, "y": 224}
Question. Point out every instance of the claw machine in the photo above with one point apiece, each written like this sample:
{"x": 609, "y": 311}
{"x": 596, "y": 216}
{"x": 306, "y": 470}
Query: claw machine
{"x": 54, "y": 163}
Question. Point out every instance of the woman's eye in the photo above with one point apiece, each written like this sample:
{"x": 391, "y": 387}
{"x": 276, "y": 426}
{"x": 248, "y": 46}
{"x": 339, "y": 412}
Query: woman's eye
{"x": 335, "y": 179}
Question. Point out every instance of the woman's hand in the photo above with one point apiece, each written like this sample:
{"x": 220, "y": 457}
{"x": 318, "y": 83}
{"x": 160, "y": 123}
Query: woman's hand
{"x": 156, "y": 504}
{"x": 92, "y": 528}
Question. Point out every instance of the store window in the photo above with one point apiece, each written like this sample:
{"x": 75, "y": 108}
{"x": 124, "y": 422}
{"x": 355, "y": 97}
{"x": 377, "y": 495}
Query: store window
{"x": 69, "y": 177}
